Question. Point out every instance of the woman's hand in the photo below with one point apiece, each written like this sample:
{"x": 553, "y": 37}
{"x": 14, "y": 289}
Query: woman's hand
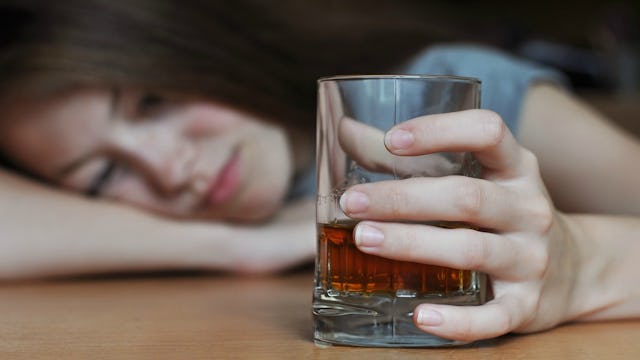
{"x": 527, "y": 250}
{"x": 286, "y": 241}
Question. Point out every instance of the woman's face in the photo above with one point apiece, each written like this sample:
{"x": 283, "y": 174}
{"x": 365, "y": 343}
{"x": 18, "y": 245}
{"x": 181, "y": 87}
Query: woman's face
{"x": 178, "y": 157}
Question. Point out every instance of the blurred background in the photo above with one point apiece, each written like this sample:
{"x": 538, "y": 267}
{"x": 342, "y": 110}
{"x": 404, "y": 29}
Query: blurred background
{"x": 595, "y": 42}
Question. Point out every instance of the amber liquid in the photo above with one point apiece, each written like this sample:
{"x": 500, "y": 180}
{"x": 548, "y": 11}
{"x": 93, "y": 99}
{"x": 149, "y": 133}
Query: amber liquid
{"x": 350, "y": 270}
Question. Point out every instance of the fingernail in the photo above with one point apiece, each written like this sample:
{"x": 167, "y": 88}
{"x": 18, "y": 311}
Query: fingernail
{"x": 354, "y": 202}
{"x": 368, "y": 236}
{"x": 429, "y": 317}
{"x": 398, "y": 139}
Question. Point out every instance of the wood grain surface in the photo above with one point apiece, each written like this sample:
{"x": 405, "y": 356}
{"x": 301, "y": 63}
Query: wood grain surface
{"x": 225, "y": 317}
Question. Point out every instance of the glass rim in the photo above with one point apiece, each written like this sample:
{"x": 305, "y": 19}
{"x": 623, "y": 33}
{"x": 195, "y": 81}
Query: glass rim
{"x": 466, "y": 79}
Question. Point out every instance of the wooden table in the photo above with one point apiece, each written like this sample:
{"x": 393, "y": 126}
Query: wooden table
{"x": 223, "y": 317}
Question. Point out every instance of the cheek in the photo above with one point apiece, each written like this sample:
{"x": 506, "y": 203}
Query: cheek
{"x": 269, "y": 173}
{"x": 25, "y": 145}
{"x": 138, "y": 193}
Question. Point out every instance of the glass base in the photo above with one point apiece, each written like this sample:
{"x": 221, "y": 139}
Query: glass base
{"x": 377, "y": 320}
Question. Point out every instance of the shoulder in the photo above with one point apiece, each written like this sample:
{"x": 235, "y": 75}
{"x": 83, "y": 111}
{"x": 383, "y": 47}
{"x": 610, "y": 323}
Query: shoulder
{"x": 470, "y": 59}
{"x": 505, "y": 78}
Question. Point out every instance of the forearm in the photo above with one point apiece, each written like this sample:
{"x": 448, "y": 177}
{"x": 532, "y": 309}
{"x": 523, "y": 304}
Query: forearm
{"x": 589, "y": 165}
{"x": 609, "y": 249}
{"x": 45, "y": 232}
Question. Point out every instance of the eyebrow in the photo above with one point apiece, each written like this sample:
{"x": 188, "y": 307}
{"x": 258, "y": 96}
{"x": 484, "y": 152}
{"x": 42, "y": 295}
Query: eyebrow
{"x": 77, "y": 163}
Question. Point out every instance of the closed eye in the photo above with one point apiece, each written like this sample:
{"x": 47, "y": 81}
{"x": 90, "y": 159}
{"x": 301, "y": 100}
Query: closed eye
{"x": 149, "y": 103}
{"x": 102, "y": 179}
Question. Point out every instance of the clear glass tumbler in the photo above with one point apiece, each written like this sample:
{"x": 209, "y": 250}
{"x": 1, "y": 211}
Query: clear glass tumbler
{"x": 361, "y": 299}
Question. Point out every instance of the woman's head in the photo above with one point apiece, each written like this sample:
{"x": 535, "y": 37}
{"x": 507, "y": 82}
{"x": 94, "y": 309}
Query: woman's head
{"x": 189, "y": 108}
{"x": 150, "y": 104}
{"x": 191, "y": 47}
{"x": 182, "y": 157}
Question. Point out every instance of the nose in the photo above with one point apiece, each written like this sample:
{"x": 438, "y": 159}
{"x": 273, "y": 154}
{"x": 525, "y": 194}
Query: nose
{"x": 158, "y": 153}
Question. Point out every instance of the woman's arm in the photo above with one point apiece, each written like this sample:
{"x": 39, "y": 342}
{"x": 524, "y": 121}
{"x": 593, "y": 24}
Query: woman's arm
{"x": 607, "y": 275}
{"x": 588, "y": 164}
{"x": 46, "y": 232}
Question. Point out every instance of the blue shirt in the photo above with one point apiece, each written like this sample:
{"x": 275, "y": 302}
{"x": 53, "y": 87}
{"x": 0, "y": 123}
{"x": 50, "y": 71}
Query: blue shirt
{"x": 504, "y": 78}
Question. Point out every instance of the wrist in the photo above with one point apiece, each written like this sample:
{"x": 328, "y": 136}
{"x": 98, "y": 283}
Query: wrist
{"x": 604, "y": 282}
{"x": 203, "y": 245}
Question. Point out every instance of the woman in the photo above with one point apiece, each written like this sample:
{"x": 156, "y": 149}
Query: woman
{"x": 192, "y": 110}
{"x": 163, "y": 108}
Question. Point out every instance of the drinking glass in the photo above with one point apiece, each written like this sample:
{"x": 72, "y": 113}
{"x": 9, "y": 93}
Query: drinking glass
{"x": 361, "y": 299}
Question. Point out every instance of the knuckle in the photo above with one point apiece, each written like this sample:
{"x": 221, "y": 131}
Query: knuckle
{"x": 531, "y": 305}
{"x": 475, "y": 255}
{"x": 529, "y": 160}
{"x": 406, "y": 243}
{"x": 464, "y": 330}
{"x": 397, "y": 201}
{"x": 541, "y": 214}
{"x": 494, "y": 129}
{"x": 469, "y": 197}
{"x": 470, "y": 328}
{"x": 538, "y": 256}
{"x": 504, "y": 323}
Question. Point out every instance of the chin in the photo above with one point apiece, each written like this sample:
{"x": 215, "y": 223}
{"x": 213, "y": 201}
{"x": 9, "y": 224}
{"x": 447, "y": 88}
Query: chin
{"x": 260, "y": 207}
{"x": 256, "y": 213}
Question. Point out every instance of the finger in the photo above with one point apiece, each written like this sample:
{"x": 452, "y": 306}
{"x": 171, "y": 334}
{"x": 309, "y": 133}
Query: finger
{"x": 470, "y": 323}
{"x": 365, "y": 145}
{"x": 330, "y": 108}
{"x": 460, "y": 248}
{"x": 455, "y": 198}
{"x": 479, "y": 131}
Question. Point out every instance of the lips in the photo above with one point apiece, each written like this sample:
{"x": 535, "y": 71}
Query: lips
{"x": 226, "y": 183}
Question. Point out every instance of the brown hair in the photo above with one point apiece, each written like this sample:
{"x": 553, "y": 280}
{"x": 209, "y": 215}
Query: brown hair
{"x": 263, "y": 56}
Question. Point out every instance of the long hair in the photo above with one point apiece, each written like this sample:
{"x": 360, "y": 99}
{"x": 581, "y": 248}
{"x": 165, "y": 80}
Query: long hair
{"x": 261, "y": 56}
